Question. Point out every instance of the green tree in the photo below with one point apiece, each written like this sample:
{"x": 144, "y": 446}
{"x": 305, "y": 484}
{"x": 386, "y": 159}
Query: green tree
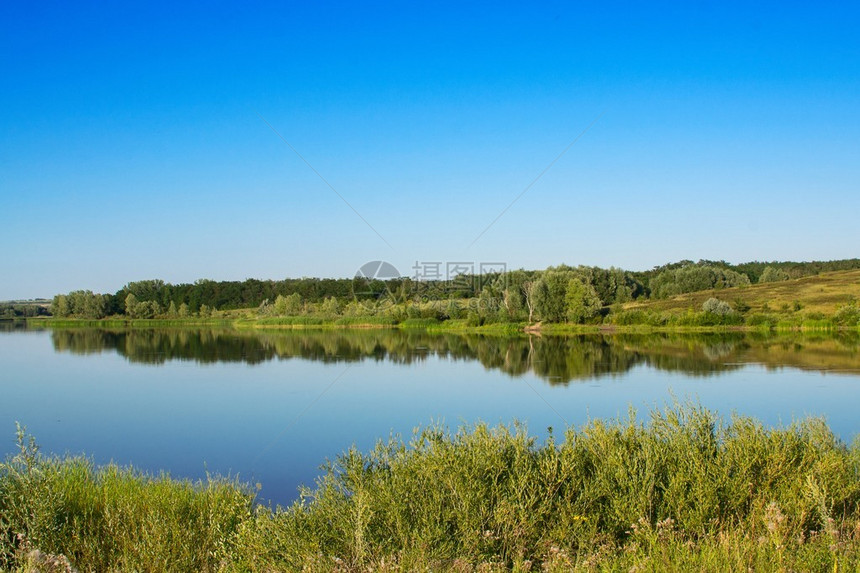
{"x": 550, "y": 294}
{"x": 266, "y": 308}
{"x": 154, "y": 289}
{"x": 772, "y": 275}
{"x": 538, "y": 294}
{"x": 695, "y": 277}
{"x": 94, "y": 305}
{"x": 581, "y": 301}
{"x": 529, "y": 290}
{"x": 183, "y": 310}
{"x": 290, "y": 305}
{"x": 60, "y": 306}
{"x": 330, "y": 307}
{"x": 453, "y": 309}
{"x": 148, "y": 309}
{"x": 83, "y": 304}
{"x": 131, "y": 304}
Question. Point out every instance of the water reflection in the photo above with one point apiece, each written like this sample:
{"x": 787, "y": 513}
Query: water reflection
{"x": 13, "y": 325}
{"x": 558, "y": 360}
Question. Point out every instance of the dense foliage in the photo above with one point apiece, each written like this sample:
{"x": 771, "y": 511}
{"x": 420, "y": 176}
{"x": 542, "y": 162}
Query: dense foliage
{"x": 557, "y": 294}
{"x": 692, "y": 278}
{"x": 24, "y": 309}
{"x": 686, "y": 491}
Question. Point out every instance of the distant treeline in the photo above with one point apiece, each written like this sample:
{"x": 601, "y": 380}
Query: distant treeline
{"x": 556, "y": 294}
{"x": 24, "y": 309}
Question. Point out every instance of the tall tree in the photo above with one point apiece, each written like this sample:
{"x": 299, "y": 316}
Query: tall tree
{"x": 60, "y": 306}
{"x": 581, "y": 301}
{"x": 131, "y": 304}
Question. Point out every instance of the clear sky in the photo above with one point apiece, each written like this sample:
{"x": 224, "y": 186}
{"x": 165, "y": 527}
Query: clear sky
{"x": 132, "y": 144}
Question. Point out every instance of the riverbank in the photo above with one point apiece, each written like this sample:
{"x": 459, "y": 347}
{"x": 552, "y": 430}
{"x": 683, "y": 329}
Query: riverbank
{"x": 684, "y": 491}
{"x": 462, "y": 326}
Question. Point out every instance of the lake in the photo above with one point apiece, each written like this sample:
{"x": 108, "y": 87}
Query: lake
{"x": 272, "y": 406}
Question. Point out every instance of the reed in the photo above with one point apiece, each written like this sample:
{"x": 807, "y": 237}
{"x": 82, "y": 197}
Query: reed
{"x": 680, "y": 490}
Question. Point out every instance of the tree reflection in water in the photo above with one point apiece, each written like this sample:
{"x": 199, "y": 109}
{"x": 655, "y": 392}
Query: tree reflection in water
{"x": 556, "y": 359}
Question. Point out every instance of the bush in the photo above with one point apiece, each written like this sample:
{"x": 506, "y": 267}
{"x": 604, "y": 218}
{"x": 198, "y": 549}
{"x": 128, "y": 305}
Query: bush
{"x": 717, "y": 306}
{"x": 474, "y": 319}
{"x": 773, "y": 274}
{"x": 691, "y": 318}
{"x": 847, "y": 315}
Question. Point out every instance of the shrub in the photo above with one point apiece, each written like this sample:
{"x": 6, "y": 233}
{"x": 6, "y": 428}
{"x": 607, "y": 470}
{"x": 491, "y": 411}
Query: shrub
{"x": 691, "y": 318}
{"x": 474, "y": 319}
{"x": 772, "y": 274}
{"x": 716, "y": 306}
{"x": 847, "y": 315}
{"x": 330, "y": 307}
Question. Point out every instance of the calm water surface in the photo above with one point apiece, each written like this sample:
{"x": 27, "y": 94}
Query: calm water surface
{"x": 272, "y": 407}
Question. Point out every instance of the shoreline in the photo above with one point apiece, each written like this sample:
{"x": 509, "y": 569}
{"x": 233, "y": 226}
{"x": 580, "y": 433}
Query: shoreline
{"x": 441, "y": 327}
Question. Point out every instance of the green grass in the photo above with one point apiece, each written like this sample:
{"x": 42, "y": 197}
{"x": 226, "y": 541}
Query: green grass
{"x": 319, "y": 322}
{"x": 365, "y": 321}
{"x": 419, "y": 323}
{"x": 463, "y": 326}
{"x": 291, "y": 321}
{"x": 127, "y": 323}
{"x": 684, "y": 491}
{"x": 114, "y": 519}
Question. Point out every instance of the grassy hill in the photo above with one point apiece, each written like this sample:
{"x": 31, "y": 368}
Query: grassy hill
{"x": 823, "y": 293}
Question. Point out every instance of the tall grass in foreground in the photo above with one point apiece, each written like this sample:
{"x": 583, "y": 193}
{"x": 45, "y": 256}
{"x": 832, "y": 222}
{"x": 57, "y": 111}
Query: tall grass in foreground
{"x": 684, "y": 491}
{"x": 111, "y": 518}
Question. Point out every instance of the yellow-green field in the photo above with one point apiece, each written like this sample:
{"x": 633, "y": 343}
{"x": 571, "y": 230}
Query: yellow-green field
{"x": 823, "y": 293}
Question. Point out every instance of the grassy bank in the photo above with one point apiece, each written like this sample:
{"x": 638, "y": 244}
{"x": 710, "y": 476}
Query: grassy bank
{"x": 129, "y": 323}
{"x": 642, "y": 324}
{"x": 684, "y": 491}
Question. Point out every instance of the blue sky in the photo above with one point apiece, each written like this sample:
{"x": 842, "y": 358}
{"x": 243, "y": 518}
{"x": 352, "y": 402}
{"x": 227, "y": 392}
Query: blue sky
{"x": 132, "y": 145}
